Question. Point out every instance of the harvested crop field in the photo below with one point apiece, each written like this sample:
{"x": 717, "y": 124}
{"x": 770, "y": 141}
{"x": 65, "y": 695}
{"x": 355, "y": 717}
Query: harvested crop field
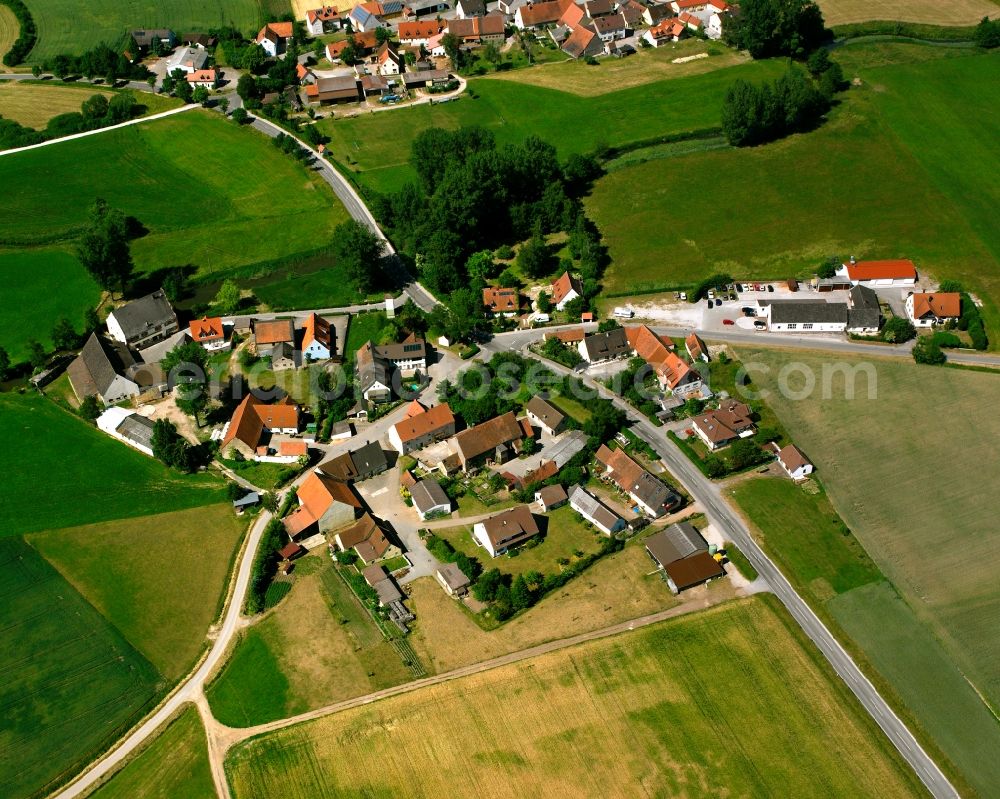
{"x": 693, "y": 707}
{"x": 34, "y": 103}
{"x": 911, "y": 473}
{"x": 957, "y": 12}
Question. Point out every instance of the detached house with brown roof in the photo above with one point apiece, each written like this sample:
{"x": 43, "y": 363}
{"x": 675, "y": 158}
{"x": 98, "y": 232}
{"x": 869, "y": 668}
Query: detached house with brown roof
{"x": 537, "y": 15}
{"x": 545, "y": 415}
{"x": 275, "y": 339}
{"x": 722, "y": 427}
{"x": 503, "y": 301}
{"x": 274, "y": 37}
{"x": 495, "y": 439}
{"x": 566, "y": 289}
{"x": 934, "y": 308}
{"x": 421, "y": 427}
{"x": 255, "y": 425}
{"x": 209, "y": 333}
{"x": 671, "y": 371}
{"x": 369, "y": 538}
{"x": 682, "y": 554}
{"x": 652, "y": 495}
{"x": 793, "y": 461}
{"x": 475, "y": 31}
{"x": 506, "y": 530}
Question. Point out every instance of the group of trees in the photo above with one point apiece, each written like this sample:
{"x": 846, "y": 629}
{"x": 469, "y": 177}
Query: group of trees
{"x": 758, "y": 114}
{"x": 358, "y": 251}
{"x": 186, "y": 368}
{"x": 27, "y": 36}
{"x": 987, "y": 33}
{"x": 768, "y": 28}
{"x": 171, "y": 448}
{"x": 102, "y": 61}
{"x": 95, "y": 112}
{"x": 472, "y": 195}
{"x": 104, "y": 248}
{"x": 971, "y": 320}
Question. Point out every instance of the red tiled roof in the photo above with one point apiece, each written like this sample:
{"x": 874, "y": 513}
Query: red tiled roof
{"x": 501, "y": 300}
{"x": 274, "y": 332}
{"x": 882, "y": 270}
{"x": 206, "y": 329}
{"x": 948, "y": 304}
{"x": 427, "y": 421}
{"x": 563, "y": 285}
{"x": 253, "y": 415}
{"x": 293, "y": 448}
{"x": 203, "y": 76}
{"x": 316, "y": 329}
{"x": 423, "y": 29}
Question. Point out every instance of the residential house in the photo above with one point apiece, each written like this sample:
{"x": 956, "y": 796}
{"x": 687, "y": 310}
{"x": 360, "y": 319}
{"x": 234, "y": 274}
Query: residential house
{"x": 198, "y": 39}
{"x": 690, "y": 21}
{"x": 595, "y": 9}
{"x": 429, "y": 498}
{"x": 655, "y": 13}
{"x": 671, "y": 371}
{"x": 500, "y": 300}
{"x": 128, "y": 427}
{"x": 204, "y": 78}
{"x": 369, "y": 538}
{"x": 344, "y": 89}
{"x": 506, "y": 530}
{"x": 389, "y": 61}
{"x": 415, "y": 34}
{"x": 100, "y": 371}
{"x": 611, "y": 28}
{"x": 880, "y": 274}
{"x": 415, "y": 9}
{"x": 566, "y": 289}
{"x": 364, "y": 21}
{"x": 926, "y": 309}
{"x": 632, "y": 11}
{"x": 323, "y": 20}
{"x": 537, "y": 15}
{"x": 664, "y": 32}
{"x": 380, "y": 367}
{"x": 652, "y": 495}
{"x": 606, "y": 346}
{"x": 253, "y": 424}
{"x": 509, "y": 7}
{"x": 187, "y": 60}
{"x": 305, "y": 75}
{"x": 470, "y": 8}
{"x": 385, "y": 589}
{"x": 696, "y": 349}
{"x": 595, "y": 511}
{"x": 551, "y": 497}
{"x": 582, "y": 41}
{"x": 719, "y": 428}
{"x": 360, "y": 464}
{"x": 545, "y": 415}
{"x": 318, "y": 339}
{"x": 364, "y": 43}
{"x": 275, "y": 36}
{"x": 421, "y": 427}
{"x": 494, "y": 440}
{"x": 452, "y": 579}
{"x": 210, "y": 333}
{"x": 144, "y": 321}
{"x": 479, "y": 30}
{"x": 807, "y": 316}
{"x": 682, "y": 554}
{"x": 273, "y": 338}
{"x": 863, "y": 313}
{"x": 571, "y": 337}
{"x": 325, "y": 504}
{"x": 793, "y": 461}
{"x": 145, "y": 38}
{"x": 434, "y": 77}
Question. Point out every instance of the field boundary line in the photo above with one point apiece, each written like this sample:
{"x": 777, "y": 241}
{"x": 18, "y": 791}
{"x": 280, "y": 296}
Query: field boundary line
{"x": 150, "y": 118}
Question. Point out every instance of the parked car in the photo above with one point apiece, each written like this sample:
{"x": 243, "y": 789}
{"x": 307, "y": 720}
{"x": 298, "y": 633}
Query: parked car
{"x": 728, "y": 322}
{"x": 760, "y": 324}
{"x": 748, "y": 311}
{"x": 711, "y": 294}
{"x": 684, "y": 295}
{"x": 770, "y": 287}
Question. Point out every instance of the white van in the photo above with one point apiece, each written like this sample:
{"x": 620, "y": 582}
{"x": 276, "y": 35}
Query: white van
{"x": 624, "y": 313}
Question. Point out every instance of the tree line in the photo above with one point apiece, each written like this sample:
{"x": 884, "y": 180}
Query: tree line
{"x": 95, "y": 112}
{"x": 27, "y": 36}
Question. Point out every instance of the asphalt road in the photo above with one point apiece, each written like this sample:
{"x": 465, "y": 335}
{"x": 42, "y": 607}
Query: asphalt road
{"x": 731, "y": 524}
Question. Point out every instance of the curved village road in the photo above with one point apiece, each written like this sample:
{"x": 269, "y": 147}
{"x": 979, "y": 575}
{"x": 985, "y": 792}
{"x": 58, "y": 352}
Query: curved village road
{"x": 734, "y": 527}
{"x": 187, "y": 691}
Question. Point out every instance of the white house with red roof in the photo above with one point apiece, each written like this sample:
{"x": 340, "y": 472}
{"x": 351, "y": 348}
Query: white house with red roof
{"x": 204, "y": 78}
{"x": 209, "y": 332}
{"x": 275, "y": 36}
{"x": 323, "y": 20}
{"x": 879, "y": 274}
{"x": 566, "y": 289}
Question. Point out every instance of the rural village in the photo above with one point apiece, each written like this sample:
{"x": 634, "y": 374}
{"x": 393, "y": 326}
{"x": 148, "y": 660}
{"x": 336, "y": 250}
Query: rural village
{"x": 452, "y": 444}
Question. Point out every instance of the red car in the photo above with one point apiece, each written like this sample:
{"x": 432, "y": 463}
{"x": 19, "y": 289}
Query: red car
{"x": 728, "y": 322}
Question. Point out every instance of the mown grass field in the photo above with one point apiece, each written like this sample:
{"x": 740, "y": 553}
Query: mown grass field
{"x": 69, "y": 473}
{"x": 175, "y": 766}
{"x": 163, "y": 586}
{"x": 67, "y": 27}
{"x": 318, "y": 646}
{"x": 692, "y": 707}
{"x": 909, "y": 472}
{"x": 854, "y": 186}
{"x": 566, "y": 534}
{"x": 40, "y": 287}
{"x": 958, "y": 12}
{"x": 9, "y": 30}
{"x": 34, "y": 103}
{"x": 71, "y": 683}
{"x": 619, "y": 587}
{"x": 377, "y": 146}
{"x": 215, "y": 198}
